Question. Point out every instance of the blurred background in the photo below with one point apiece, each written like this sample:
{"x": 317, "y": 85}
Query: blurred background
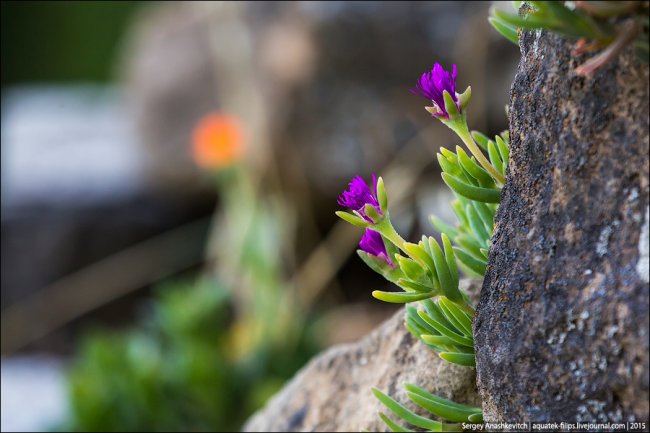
{"x": 145, "y": 287}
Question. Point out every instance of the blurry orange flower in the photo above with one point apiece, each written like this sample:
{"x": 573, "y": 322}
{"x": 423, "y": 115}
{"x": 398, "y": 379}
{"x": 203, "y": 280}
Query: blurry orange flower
{"x": 218, "y": 141}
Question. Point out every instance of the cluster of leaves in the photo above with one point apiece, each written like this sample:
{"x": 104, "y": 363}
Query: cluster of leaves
{"x": 176, "y": 370}
{"x": 477, "y": 198}
{"x": 440, "y": 314}
{"x": 605, "y": 26}
{"x": 430, "y": 272}
{"x": 443, "y": 408}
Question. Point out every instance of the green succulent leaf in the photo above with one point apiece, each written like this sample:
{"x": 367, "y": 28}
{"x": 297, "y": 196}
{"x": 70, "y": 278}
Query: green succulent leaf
{"x": 410, "y": 268}
{"x": 451, "y": 156}
{"x": 481, "y": 139}
{"x": 412, "y": 285}
{"x": 448, "y": 166}
{"x": 450, "y": 105}
{"x": 530, "y": 21}
{"x": 476, "y": 418}
{"x": 448, "y": 284}
{"x": 451, "y": 260}
{"x": 470, "y": 245}
{"x": 472, "y": 192}
{"x": 477, "y": 226}
{"x": 464, "y": 359}
{"x": 443, "y": 227}
{"x": 417, "y": 253}
{"x": 476, "y": 265}
{"x": 382, "y": 198}
{"x": 445, "y": 411}
{"x": 402, "y": 297}
{"x": 486, "y": 214}
{"x": 372, "y": 212}
{"x": 406, "y": 414}
{"x": 434, "y": 312}
{"x": 474, "y": 169}
{"x": 413, "y": 316}
{"x": 352, "y": 219}
{"x": 444, "y": 330}
{"x": 392, "y": 425}
{"x": 438, "y": 341}
{"x": 504, "y": 151}
{"x": 506, "y": 30}
{"x": 459, "y": 211}
{"x": 464, "y": 97}
{"x": 380, "y": 266}
{"x": 461, "y": 319}
{"x": 495, "y": 157}
{"x": 422, "y": 392}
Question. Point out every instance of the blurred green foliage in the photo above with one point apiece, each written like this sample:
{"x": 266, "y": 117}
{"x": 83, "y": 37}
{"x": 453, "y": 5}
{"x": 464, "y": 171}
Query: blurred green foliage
{"x": 206, "y": 355}
{"x": 62, "y": 41}
{"x": 176, "y": 371}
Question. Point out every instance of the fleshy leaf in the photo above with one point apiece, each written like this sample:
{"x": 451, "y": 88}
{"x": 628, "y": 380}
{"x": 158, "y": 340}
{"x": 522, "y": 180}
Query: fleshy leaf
{"x": 372, "y": 212}
{"x": 440, "y": 409}
{"x": 450, "y": 104}
{"x": 448, "y": 166}
{"x": 470, "y": 261}
{"x": 451, "y": 259}
{"x": 413, "y": 285}
{"x": 506, "y": 30}
{"x": 461, "y": 319}
{"x": 463, "y": 98}
{"x": 382, "y": 198}
{"x": 402, "y": 297}
{"x": 447, "y": 283}
{"x": 464, "y": 359}
{"x": 481, "y": 139}
{"x": 457, "y": 338}
{"x": 472, "y": 167}
{"x": 352, "y": 219}
{"x": 477, "y": 225}
{"x": 406, "y": 414}
{"x": 495, "y": 157}
{"x": 417, "y": 390}
{"x": 392, "y": 425}
{"x": 472, "y": 192}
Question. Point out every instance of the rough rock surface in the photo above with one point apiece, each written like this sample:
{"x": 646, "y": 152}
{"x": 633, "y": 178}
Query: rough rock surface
{"x": 562, "y": 325}
{"x": 332, "y": 393}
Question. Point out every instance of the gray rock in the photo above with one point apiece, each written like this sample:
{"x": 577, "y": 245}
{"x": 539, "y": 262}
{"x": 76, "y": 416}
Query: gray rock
{"x": 562, "y": 325}
{"x": 332, "y": 392}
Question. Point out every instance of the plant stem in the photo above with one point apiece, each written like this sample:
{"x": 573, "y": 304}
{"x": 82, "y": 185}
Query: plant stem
{"x": 388, "y": 231}
{"x": 463, "y": 132}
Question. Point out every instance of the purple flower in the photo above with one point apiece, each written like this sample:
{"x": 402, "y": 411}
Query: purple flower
{"x": 359, "y": 195}
{"x": 432, "y": 84}
{"x": 372, "y": 243}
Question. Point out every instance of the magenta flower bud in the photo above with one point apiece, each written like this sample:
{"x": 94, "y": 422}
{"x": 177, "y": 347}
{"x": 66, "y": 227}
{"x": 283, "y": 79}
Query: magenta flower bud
{"x": 372, "y": 243}
{"x": 432, "y": 84}
{"x": 359, "y": 195}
